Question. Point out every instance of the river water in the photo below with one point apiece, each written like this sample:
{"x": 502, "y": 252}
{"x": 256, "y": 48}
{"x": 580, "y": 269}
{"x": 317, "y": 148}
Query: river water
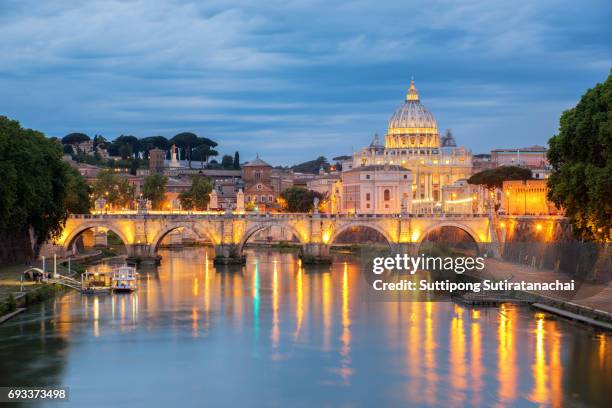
{"x": 276, "y": 334}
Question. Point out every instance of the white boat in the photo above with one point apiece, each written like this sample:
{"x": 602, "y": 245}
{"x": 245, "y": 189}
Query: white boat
{"x": 125, "y": 279}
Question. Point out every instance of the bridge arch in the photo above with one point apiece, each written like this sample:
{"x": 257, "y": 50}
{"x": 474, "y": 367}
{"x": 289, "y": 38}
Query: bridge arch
{"x": 168, "y": 229}
{"x": 75, "y": 233}
{"x": 260, "y": 227}
{"x": 465, "y": 228}
{"x": 342, "y": 228}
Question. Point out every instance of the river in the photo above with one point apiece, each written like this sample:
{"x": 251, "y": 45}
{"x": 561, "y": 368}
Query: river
{"x": 276, "y": 334}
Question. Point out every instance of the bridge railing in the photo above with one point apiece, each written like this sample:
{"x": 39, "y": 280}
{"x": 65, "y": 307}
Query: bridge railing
{"x": 260, "y": 216}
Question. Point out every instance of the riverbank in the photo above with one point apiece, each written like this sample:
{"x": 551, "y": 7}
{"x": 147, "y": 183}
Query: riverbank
{"x": 589, "y": 303}
{"x": 17, "y": 294}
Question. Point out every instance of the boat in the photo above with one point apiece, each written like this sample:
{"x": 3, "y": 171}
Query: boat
{"x": 95, "y": 282}
{"x": 125, "y": 279}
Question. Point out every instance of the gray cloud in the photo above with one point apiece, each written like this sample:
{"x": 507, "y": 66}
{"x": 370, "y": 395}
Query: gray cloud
{"x": 293, "y": 80}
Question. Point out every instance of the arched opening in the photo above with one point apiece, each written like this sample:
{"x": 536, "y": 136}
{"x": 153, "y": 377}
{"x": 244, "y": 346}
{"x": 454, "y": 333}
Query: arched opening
{"x": 180, "y": 236}
{"x": 276, "y": 236}
{"x": 356, "y": 235}
{"x": 92, "y": 239}
{"x": 449, "y": 240}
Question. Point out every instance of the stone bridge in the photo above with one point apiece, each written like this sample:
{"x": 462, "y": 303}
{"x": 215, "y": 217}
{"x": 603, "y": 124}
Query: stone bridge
{"x": 228, "y": 233}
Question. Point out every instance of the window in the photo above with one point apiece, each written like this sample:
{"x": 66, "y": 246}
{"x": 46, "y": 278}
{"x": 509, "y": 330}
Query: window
{"x": 387, "y": 195}
{"x": 367, "y": 176}
{"x": 367, "y": 196}
{"x": 405, "y": 176}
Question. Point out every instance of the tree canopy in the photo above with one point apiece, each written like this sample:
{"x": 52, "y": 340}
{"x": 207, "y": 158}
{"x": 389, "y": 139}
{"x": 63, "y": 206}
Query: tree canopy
{"x": 312, "y": 166}
{"x": 154, "y": 190}
{"x": 581, "y": 158}
{"x": 115, "y": 189}
{"x": 75, "y": 138}
{"x": 494, "y": 178}
{"x": 198, "y": 196}
{"x": 36, "y": 188}
{"x": 298, "y": 199}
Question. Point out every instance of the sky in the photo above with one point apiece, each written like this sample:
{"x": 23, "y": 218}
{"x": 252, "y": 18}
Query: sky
{"x": 293, "y": 80}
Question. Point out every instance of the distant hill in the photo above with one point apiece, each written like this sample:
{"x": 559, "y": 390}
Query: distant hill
{"x": 311, "y": 166}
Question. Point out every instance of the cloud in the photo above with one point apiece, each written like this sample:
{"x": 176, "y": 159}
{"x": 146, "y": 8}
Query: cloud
{"x": 318, "y": 76}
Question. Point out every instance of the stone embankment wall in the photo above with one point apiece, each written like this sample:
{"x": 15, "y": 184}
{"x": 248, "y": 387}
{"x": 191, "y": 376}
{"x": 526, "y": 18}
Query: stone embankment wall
{"x": 549, "y": 244}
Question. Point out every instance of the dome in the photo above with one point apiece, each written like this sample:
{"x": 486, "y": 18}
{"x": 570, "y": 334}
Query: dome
{"x": 412, "y": 117}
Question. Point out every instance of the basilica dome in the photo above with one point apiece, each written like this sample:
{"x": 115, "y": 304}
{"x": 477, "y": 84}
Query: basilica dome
{"x": 412, "y": 117}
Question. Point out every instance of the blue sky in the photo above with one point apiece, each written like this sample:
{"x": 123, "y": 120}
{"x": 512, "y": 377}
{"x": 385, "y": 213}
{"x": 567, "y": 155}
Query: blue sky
{"x": 293, "y": 80}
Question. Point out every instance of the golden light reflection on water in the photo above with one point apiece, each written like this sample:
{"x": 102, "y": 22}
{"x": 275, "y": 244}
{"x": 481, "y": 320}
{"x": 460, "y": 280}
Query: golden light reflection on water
{"x": 275, "y": 330}
{"x": 327, "y": 312}
{"x": 345, "y": 362}
{"x": 506, "y": 366}
{"x": 458, "y": 367}
{"x": 430, "y": 345}
{"x": 445, "y": 354}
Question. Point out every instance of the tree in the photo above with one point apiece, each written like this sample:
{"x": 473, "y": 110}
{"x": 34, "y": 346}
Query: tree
{"x": 77, "y": 192}
{"x": 227, "y": 162}
{"x": 115, "y": 189}
{"x": 154, "y": 189}
{"x": 312, "y": 166}
{"x": 198, "y": 196}
{"x": 581, "y": 159}
{"x": 153, "y": 142}
{"x": 100, "y": 141}
{"x": 125, "y": 151}
{"x": 134, "y": 163}
{"x": 298, "y": 199}
{"x": 203, "y": 153}
{"x": 34, "y": 185}
{"x": 236, "y": 161}
{"x": 68, "y": 149}
{"x": 185, "y": 141}
{"x": 494, "y": 178}
{"x": 73, "y": 138}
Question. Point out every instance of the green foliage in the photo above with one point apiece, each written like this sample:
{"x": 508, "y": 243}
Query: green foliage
{"x": 154, "y": 189}
{"x": 227, "y": 162}
{"x": 581, "y": 157}
{"x": 34, "y": 186}
{"x": 236, "y": 161}
{"x": 198, "y": 196}
{"x": 153, "y": 142}
{"x": 75, "y": 138}
{"x": 312, "y": 166}
{"x": 68, "y": 149}
{"x": 116, "y": 189}
{"x": 493, "y": 178}
{"x": 298, "y": 199}
{"x": 77, "y": 192}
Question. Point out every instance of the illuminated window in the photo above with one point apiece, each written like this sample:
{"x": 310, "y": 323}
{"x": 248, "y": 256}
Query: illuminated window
{"x": 387, "y": 195}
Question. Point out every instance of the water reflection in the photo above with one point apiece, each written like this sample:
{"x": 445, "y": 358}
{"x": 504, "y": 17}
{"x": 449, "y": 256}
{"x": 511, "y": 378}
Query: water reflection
{"x": 275, "y": 333}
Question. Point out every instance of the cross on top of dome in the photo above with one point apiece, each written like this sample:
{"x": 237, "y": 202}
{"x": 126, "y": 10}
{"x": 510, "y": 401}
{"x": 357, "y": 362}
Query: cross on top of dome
{"x": 413, "y": 93}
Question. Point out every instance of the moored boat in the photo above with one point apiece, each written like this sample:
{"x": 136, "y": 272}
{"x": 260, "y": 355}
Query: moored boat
{"x": 125, "y": 279}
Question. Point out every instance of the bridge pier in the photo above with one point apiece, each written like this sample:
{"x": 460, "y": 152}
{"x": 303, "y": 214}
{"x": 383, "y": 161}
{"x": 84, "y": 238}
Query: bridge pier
{"x": 409, "y": 248}
{"x": 141, "y": 254}
{"x": 315, "y": 254}
{"x": 228, "y": 254}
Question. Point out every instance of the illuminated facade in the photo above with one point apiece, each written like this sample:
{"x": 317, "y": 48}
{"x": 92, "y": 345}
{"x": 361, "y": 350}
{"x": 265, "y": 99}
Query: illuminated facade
{"x": 413, "y": 143}
{"x": 527, "y": 197}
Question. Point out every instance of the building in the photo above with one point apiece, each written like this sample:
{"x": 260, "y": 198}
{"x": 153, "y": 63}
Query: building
{"x": 157, "y": 158}
{"x": 413, "y": 143}
{"x": 257, "y": 178}
{"x": 281, "y": 179}
{"x": 527, "y": 197}
{"x": 376, "y": 189}
{"x": 482, "y": 162}
{"x": 531, "y": 157}
{"x": 463, "y": 198}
